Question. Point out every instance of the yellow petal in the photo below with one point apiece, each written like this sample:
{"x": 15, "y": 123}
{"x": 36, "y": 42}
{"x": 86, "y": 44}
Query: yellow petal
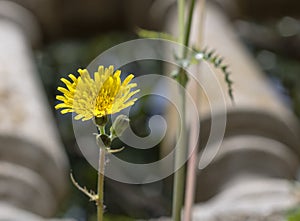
{"x": 101, "y": 95}
{"x": 128, "y": 79}
{"x": 73, "y": 78}
{"x": 63, "y": 90}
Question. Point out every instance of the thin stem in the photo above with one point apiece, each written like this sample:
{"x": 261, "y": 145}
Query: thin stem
{"x": 100, "y": 188}
{"x": 180, "y": 155}
{"x": 180, "y": 173}
{"x": 181, "y": 20}
{"x": 84, "y": 190}
{"x": 201, "y": 15}
{"x": 101, "y": 129}
{"x": 192, "y": 163}
{"x": 190, "y": 179}
{"x": 189, "y": 25}
{"x": 100, "y": 192}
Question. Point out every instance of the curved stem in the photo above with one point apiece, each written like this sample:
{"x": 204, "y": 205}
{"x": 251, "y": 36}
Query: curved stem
{"x": 84, "y": 190}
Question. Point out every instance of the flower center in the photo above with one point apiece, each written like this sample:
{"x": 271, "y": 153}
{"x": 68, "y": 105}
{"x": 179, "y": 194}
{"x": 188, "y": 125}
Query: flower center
{"x": 106, "y": 96}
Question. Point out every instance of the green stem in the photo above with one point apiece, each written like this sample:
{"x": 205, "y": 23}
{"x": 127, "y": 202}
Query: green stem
{"x": 101, "y": 129}
{"x": 180, "y": 155}
{"x": 100, "y": 188}
{"x": 179, "y": 176}
{"x": 181, "y": 20}
{"x": 100, "y": 192}
{"x": 189, "y": 26}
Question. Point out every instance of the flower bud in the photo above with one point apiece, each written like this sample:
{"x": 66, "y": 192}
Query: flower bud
{"x": 103, "y": 139}
{"x": 120, "y": 124}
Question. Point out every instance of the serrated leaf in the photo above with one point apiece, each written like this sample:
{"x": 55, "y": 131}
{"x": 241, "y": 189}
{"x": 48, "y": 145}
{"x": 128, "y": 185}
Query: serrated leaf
{"x": 217, "y": 61}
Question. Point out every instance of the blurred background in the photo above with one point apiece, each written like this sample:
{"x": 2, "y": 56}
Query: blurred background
{"x": 55, "y": 38}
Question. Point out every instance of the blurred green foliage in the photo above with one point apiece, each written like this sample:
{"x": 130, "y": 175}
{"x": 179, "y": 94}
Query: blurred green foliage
{"x": 294, "y": 215}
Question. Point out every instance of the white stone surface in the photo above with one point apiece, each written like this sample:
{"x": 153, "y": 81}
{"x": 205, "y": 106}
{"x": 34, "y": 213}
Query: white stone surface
{"x": 13, "y": 214}
{"x": 33, "y": 172}
{"x": 255, "y": 198}
{"x": 248, "y": 176}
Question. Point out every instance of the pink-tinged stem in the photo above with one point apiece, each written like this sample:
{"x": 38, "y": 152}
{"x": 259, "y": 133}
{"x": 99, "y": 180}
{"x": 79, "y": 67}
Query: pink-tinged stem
{"x": 192, "y": 163}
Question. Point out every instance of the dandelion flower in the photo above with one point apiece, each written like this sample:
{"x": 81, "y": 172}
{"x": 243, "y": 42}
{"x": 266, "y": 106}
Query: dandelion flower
{"x": 105, "y": 94}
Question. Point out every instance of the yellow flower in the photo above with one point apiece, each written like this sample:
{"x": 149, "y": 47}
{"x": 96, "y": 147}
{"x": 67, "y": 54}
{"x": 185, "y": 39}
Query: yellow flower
{"x": 98, "y": 97}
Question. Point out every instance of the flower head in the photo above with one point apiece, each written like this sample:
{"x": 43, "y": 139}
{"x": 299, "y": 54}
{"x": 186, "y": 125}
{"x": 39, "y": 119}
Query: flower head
{"x": 98, "y": 97}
